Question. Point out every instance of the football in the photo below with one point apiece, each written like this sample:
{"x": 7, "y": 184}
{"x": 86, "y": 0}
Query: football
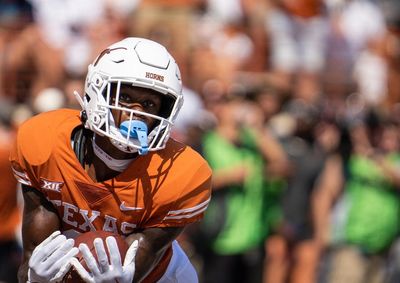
{"x": 72, "y": 275}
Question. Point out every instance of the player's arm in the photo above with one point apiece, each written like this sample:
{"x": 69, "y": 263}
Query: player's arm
{"x": 39, "y": 223}
{"x": 153, "y": 242}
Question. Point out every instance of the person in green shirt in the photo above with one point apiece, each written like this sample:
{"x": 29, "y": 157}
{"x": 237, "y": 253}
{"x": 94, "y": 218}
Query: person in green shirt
{"x": 245, "y": 160}
{"x": 366, "y": 215}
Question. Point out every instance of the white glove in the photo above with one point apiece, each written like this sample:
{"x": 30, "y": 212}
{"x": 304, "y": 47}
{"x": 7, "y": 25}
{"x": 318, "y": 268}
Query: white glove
{"x": 50, "y": 260}
{"x": 103, "y": 272}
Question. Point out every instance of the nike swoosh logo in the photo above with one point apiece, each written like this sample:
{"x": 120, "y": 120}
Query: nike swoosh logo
{"x": 124, "y": 207}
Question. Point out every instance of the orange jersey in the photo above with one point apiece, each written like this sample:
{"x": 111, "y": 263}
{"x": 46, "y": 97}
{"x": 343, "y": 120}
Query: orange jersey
{"x": 166, "y": 188}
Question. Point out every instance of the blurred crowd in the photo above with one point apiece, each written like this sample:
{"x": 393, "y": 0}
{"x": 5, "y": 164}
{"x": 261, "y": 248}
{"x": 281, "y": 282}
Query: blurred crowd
{"x": 295, "y": 104}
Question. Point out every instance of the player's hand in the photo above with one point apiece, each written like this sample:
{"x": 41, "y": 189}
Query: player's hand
{"x": 50, "y": 260}
{"x": 107, "y": 271}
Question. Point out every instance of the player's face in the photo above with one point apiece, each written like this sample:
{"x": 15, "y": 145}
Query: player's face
{"x": 139, "y": 99}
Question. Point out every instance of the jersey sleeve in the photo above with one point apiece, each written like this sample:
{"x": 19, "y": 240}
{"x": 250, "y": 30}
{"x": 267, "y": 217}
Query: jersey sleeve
{"x": 192, "y": 202}
{"x": 33, "y": 146}
{"x": 21, "y": 168}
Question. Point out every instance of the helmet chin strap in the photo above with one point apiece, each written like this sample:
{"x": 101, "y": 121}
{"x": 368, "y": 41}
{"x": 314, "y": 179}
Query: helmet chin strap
{"x": 118, "y": 165}
{"x": 119, "y": 145}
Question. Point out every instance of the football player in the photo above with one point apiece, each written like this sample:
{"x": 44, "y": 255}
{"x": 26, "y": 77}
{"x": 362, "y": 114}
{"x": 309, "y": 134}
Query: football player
{"x": 112, "y": 167}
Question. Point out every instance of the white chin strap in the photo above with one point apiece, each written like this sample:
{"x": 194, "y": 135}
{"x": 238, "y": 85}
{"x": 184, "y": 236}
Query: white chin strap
{"x": 118, "y": 165}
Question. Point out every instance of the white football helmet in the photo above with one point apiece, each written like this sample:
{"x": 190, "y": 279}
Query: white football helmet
{"x": 137, "y": 62}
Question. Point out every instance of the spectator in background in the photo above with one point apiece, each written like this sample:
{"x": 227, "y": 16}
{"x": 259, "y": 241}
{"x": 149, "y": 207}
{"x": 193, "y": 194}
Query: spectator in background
{"x": 366, "y": 212}
{"x": 192, "y": 121}
{"x": 56, "y": 47}
{"x": 170, "y": 22}
{"x": 10, "y": 209}
{"x": 363, "y": 26}
{"x": 358, "y": 51}
{"x": 242, "y": 157}
{"x": 292, "y": 254}
{"x": 222, "y": 43}
{"x": 270, "y": 101}
{"x": 297, "y": 33}
{"x": 391, "y": 13}
{"x": 14, "y": 17}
